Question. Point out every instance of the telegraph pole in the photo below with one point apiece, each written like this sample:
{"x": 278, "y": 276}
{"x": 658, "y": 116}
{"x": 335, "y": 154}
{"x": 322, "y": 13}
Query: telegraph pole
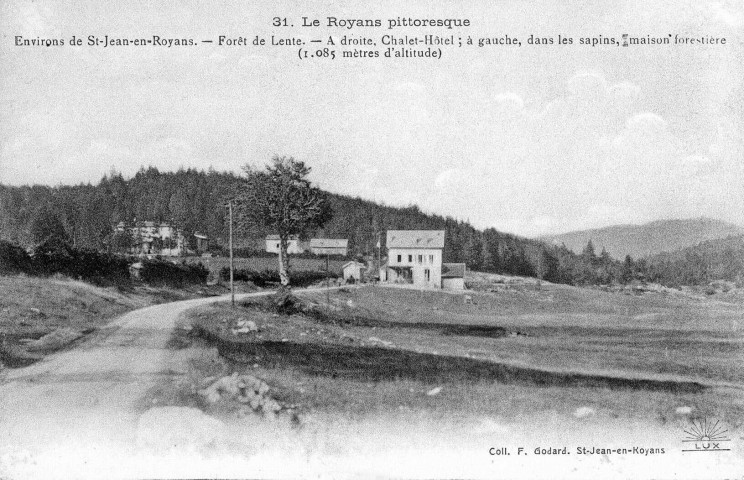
{"x": 379, "y": 257}
{"x": 328, "y": 282}
{"x": 232, "y": 266}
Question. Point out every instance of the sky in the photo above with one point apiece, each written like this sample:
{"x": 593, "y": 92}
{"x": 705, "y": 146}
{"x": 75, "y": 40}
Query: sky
{"x": 530, "y": 140}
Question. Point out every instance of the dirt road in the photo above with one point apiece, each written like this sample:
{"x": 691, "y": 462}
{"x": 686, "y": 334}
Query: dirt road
{"x": 88, "y": 396}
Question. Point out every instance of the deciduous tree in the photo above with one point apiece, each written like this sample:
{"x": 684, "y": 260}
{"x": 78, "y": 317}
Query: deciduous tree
{"x": 281, "y": 198}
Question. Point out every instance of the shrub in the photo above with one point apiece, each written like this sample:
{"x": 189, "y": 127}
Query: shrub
{"x": 262, "y": 279}
{"x": 159, "y": 272}
{"x": 284, "y": 302}
{"x": 53, "y": 257}
{"x": 14, "y": 259}
{"x": 99, "y": 268}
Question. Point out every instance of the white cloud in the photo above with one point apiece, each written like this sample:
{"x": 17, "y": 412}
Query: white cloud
{"x": 590, "y": 86}
{"x": 449, "y": 179}
{"x": 510, "y": 101}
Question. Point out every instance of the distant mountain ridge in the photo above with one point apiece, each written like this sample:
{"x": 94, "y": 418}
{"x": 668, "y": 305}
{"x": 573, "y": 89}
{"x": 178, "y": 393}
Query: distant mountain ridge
{"x": 648, "y": 239}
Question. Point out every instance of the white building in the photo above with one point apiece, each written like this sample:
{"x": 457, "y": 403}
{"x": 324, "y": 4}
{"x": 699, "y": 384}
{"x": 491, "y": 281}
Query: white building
{"x": 293, "y": 245}
{"x": 354, "y": 270}
{"x": 152, "y": 238}
{"x": 414, "y": 256}
{"x": 329, "y": 246}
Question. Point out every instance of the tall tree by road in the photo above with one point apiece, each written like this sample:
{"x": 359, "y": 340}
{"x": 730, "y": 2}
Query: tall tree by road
{"x": 282, "y": 198}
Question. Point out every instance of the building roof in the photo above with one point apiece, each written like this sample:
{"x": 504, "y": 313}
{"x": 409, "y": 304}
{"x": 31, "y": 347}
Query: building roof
{"x": 453, "y": 270}
{"x": 415, "y": 239}
{"x": 276, "y": 237}
{"x": 354, "y": 263}
{"x": 328, "y": 243}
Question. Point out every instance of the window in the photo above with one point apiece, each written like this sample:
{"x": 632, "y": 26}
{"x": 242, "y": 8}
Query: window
{"x": 431, "y": 259}
{"x": 400, "y": 258}
{"x": 420, "y": 259}
{"x": 427, "y": 275}
{"x": 410, "y": 258}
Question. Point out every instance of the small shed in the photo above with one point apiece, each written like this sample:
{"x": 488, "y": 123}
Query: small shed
{"x": 354, "y": 270}
{"x": 453, "y": 276}
{"x": 135, "y": 270}
{"x": 202, "y": 242}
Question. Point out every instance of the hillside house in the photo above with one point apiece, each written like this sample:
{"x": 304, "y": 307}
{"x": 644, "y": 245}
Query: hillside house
{"x": 293, "y": 246}
{"x": 329, "y": 246}
{"x": 153, "y": 238}
{"x": 453, "y": 276}
{"x": 414, "y": 256}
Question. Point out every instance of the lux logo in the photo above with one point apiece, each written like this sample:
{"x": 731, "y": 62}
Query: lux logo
{"x": 706, "y": 436}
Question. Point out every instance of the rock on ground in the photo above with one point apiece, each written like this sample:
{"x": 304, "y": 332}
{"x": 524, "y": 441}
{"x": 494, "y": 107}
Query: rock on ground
{"x": 582, "y": 412}
{"x": 683, "y": 410}
{"x": 246, "y": 389}
{"x": 244, "y": 326}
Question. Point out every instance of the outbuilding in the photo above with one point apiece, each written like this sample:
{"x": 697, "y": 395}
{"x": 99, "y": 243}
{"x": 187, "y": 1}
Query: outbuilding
{"x": 453, "y": 276}
{"x": 273, "y": 244}
{"x": 354, "y": 270}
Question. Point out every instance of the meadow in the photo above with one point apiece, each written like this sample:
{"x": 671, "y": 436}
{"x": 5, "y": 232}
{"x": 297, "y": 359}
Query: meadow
{"x": 259, "y": 264}
{"x": 525, "y": 350}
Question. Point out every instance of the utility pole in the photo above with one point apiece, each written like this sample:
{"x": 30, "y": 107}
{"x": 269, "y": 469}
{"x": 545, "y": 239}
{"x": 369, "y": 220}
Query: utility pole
{"x": 232, "y": 266}
{"x": 379, "y": 257}
{"x": 328, "y": 283}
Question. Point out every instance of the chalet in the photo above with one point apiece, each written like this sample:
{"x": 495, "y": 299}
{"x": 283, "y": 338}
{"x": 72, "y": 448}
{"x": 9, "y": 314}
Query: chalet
{"x": 293, "y": 246}
{"x": 453, "y": 276}
{"x": 414, "y": 256}
{"x": 153, "y": 238}
{"x": 329, "y": 246}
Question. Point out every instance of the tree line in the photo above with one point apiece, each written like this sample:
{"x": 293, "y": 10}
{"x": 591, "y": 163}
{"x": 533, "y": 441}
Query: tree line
{"x": 194, "y": 200}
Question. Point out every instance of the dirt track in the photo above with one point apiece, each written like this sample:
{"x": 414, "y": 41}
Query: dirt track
{"x": 88, "y": 396}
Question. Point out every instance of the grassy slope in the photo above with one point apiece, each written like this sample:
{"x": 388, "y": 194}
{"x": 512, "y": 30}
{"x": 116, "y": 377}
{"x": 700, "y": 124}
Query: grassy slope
{"x": 32, "y": 307}
{"x": 395, "y": 345}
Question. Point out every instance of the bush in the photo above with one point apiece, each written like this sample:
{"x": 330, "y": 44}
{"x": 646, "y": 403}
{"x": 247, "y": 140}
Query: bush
{"x": 159, "y": 272}
{"x": 284, "y": 302}
{"x": 262, "y": 279}
{"x": 100, "y": 268}
{"x": 14, "y": 259}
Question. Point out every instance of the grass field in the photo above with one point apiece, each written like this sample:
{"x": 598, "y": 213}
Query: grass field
{"x": 215, "y": 264}
{"x": 520, "y": 351}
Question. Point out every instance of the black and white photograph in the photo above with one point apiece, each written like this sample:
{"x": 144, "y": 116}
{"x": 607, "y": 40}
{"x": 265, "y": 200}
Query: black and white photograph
{"x": 424, "y": 239}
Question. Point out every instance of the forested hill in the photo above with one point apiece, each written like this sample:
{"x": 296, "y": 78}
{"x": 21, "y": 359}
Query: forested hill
{"x": 648, "y": 239}
{"x": 193, "y": 200}
{"x": 719, "y": 259}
